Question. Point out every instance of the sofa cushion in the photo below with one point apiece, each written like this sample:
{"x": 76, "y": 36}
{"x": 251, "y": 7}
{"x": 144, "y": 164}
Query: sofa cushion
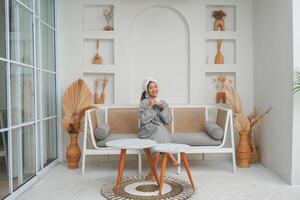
{"x": 102, "y": 131}
{"x": 115, "y": 136}
{"x": 123, "y": 120}
{"x": 188, "y": 120}
{"x": 195, "y": 139}
{"x": 213, "y": 130}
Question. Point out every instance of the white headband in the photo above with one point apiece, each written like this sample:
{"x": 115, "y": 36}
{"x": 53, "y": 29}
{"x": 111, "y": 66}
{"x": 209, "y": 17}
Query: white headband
{"x": 146, "y": 82}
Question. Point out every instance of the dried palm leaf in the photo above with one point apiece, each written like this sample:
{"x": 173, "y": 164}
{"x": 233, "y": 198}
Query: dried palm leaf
{"x": 77, "y": 99}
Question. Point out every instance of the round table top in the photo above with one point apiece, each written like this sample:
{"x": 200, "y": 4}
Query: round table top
{"x": 131, "y": 143}
{"x": 171, "y": 148}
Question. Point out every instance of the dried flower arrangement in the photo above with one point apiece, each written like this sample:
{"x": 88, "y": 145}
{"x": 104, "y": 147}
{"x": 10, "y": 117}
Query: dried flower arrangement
{"x": 108, "y": 14}
{"x": 77, "y": 99}
{"x": 244, "y": 125}
{"x": 219, "y": 14}
{"x": 221, "y": 95}
{"x": 104, "y": 82}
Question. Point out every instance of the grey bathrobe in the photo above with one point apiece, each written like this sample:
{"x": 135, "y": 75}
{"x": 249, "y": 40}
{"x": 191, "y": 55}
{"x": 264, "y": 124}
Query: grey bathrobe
{"x": 152, "y": 122}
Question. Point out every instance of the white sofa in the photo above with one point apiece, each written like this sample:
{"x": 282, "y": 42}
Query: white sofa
{"x": 186, "y": 127}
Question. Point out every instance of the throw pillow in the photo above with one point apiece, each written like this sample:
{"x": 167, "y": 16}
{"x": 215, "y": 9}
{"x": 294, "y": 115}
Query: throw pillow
{"x": 213, "y": 130}
{"x": 102, "y": 132}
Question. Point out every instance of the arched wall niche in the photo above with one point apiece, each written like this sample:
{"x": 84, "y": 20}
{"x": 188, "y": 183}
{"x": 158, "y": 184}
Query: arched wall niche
{"x": 160, "y": 48}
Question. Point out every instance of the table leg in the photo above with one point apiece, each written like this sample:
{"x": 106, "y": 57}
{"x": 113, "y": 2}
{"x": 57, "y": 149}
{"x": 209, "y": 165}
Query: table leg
{"x": 155, "y": 159}
{"x": 163, "y": 171}
{"x": 120, "y": 171}
{"x": 153, "y": 168}
{"x": 187, "y": 168}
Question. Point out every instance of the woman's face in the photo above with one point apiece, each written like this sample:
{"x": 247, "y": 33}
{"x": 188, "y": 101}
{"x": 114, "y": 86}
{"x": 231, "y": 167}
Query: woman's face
{"x": 153, "y": 89}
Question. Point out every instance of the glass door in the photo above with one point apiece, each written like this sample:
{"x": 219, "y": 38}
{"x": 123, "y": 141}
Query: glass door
{"x": 28, "y": 103}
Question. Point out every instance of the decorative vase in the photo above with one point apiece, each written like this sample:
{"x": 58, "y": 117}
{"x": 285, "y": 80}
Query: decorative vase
{"x": 219, "y": 23}
{"x": 73, "y": 152}
{"x": 244, "y": 150}
{"x": 108, "y": 28}
{"x": 219, "y": 59}
{"x": 221, "y": 97}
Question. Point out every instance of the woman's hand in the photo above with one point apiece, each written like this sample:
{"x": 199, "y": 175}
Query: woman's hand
{"x": 162, "y": 105}
{"x": 152, "y": 102}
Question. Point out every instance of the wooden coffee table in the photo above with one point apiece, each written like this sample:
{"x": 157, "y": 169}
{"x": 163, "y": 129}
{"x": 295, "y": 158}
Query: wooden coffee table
{"x": 135, "y": 144}
{"x": 173, "y": 148}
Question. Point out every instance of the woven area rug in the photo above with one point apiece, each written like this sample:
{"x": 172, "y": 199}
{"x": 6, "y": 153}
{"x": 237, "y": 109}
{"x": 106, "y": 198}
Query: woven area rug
{"x": 138, "y": 188}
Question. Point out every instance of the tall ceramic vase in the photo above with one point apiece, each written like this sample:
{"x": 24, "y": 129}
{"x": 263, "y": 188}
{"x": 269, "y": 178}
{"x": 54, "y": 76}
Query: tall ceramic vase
{"x": 244, "y": 150}
{"x": 73, "y": 152}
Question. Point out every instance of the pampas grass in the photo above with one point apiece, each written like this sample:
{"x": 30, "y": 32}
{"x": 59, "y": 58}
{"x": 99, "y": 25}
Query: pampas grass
{"x": 77, "y": 99}
{"x": 241, "y": 122}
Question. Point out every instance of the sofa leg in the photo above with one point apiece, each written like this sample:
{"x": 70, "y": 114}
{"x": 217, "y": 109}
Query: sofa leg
{"x": 83, "y": 164}
{"x": 140, "y": 163}
{"x": 179, "y": 162}
{"x": 233, "y": 162}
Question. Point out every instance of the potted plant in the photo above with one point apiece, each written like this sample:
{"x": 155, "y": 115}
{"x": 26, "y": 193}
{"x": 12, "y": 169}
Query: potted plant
{"x": 297, "y": 82}
{"x": 77, "y": 99}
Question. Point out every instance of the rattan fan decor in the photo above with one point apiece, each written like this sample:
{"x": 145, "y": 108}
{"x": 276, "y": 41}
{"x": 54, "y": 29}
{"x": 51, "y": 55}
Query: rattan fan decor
{"x": 77, "y": 99}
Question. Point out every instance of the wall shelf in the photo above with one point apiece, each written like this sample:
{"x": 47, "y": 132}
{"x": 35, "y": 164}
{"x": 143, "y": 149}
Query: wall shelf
{"x": 93, "y": 18}
{"x": 220, "y": 34}
{"x": 106, "y": 51}
{"x": 229, "y": 20}
{"x": 228, "y": 49}
{"x": 221, "y": 68}
{"x": 92, "y": 68}
{"x": 110, "y": 88}
{"x": 98, "y": 34}
{"x": 211, "y": 84}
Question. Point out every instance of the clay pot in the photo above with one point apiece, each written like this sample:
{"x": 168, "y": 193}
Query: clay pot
{"x": 73, "y": 152}
{"x": 219, "y": 23}
{"x": 244, "y": 150}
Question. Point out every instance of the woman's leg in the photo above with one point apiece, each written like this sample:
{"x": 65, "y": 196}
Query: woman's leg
{"x": 172, "y": 160}
{"x": 155, "y": 161}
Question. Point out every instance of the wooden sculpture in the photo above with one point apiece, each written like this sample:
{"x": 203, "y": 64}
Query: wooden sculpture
{"x": 219, "y": 59}
{"x": 219, "y": 22}
{"x": 108, "y": 14}
{"x": 100, "y": 99}
{"x": 97, "y": 58}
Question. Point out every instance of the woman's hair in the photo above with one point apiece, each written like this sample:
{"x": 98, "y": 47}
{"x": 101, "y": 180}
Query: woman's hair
{"x": 145, "y": 93}
{"x": 143, "y": 96}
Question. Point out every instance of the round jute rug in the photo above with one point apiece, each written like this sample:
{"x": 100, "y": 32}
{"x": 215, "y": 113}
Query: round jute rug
{"x": 138, "y": 188}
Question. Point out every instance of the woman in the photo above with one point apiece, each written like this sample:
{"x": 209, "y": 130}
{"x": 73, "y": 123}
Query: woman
{"x": 154, "y": 114}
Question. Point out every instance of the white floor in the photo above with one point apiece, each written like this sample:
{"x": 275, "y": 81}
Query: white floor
{"x": 214, "y": 180}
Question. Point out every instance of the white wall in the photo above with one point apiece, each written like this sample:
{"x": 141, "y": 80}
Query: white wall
{"x": 273, "y": 72}
{"x": 197, "y": 85}
{"x": 296, "y": 111}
